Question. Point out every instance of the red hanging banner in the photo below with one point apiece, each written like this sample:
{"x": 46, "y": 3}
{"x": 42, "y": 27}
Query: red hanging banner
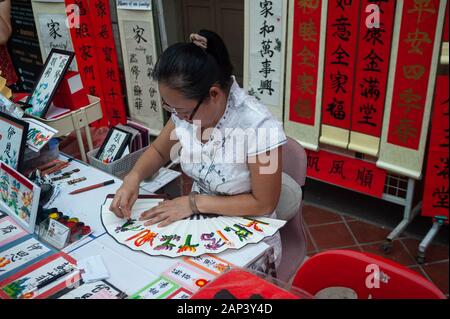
{"x": 372, "y": 65}
{"x": 340, "y": 54}
{"x": 417, "y": 33}
{"x": 350, "y": 173}
{"x": 436, "y": 192}
{"x": 108, "y": 62}
{"x": 85, "y": 52}
{"x": 305, "y": 60}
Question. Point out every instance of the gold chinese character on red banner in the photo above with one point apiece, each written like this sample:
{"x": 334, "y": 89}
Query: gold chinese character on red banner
{"x": 308, "y": 4}
{"x": 413, "y": 72}
{"x": 421, "y": 6}
{"x": 303, "y": 108}
{"x": 306, "y": 57}
{"x": 405, "y": 130}
{"x": 409, "y": 98}
{"x": 416, "y": 40}
{"x": 304, "y": 83}
{"x": 307, "y": 31}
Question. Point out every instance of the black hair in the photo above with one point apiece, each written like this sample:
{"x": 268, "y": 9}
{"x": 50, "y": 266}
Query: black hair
{"x": 192, "y": 70}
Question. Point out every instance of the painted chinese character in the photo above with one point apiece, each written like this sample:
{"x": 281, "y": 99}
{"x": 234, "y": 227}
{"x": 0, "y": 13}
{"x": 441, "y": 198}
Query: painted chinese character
{"x": 442, "y": 170}
{"x": 365, "y": 177}
{"x": 416, "y": 40}
{"x": 373, "y": 59}
{"x": 266, "y": 29}
{"x": 111, "y": 75}
{"x": 303, "y": 108}
{"x": 342, "y": 3}
{"x": 266, "y": 48}
{"x": 441, "y": 195}
{"x": 107, "y": 53}
{"x": 85, "y": 52}
{"x": 305, "y": 82}
{"x": 82, "y": 31}
{"x": 340, "y": 54}
{"x": 266, "y": 85}
{"x": 138, "y": 34}
{"x": 167, "y": 242}
{"x": 53, "y": 29}
{"x": 135, "y": 71}
{"x": 374, "y": 35}
{"x": 370, "y": 88}
{"x": 341, "y": 25}
{"x": 308, "y": 4}
{"x": 421, "y": 6}
{"x": 307, "y": 31}
{"x": 307, "y": 57}
{"x": 413, "y": 72}
{"x": 406, "y": 130}
{"x": 101, "y": 9}
{"x": 266, "y": 7}
{"x": 337, "y": 168}
{"x": 408, "y": 100}
{"x": 336, "y": 109}
{"x": 368, "y": 110}
{"x": 338, "y": 81}
{"x": 104, "y": 32}
{"x": 187, "y": 246}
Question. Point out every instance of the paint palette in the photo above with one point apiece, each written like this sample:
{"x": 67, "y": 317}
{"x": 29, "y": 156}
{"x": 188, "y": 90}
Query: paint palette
{"x": 193, "y": 236}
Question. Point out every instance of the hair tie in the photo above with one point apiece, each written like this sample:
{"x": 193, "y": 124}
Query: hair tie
{"x": 199, "y": 41}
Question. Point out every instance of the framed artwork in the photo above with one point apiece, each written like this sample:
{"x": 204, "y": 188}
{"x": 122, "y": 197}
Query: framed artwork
{"x": 114, "y": 145}
{"x": 19, "y": 197}
{"x": 55, "y": 67}
{"x": 13, "y": 138}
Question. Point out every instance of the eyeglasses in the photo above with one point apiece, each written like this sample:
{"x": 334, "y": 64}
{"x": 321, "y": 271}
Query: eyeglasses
{"x": 173, "y": 111}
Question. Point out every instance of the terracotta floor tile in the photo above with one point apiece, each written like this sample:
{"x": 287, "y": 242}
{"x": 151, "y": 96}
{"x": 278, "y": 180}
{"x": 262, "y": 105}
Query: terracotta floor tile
{"x": 331, "y": 236}
{"x": 367, "y": 233}
{"x": 418, "y": 270}
{"x": 438, "y": 274}
{"x": 432, "y": 254}
{"x": 398, "y": 254}
{"x": 316, "y": 216}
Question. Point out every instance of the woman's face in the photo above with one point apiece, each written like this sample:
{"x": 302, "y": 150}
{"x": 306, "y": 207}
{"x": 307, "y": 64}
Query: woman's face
{"x": 206, "y": 110}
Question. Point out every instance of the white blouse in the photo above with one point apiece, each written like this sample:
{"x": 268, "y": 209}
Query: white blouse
{"x": 220, "y": 166}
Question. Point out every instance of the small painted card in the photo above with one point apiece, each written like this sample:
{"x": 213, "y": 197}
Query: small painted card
{"x": 22, "y": 285}
{"x": 88, "y": 290}
{"x": 114, "y": 145}
{"x": 13, "y": 137}
{"x": 159, "y": 289}
{"x": 19, "y": 197}
{"x": 38, "y": 134}
{"x": 56, "y": 65}
{"x": 21, "y": 254}
{"x": 10, "y": 231}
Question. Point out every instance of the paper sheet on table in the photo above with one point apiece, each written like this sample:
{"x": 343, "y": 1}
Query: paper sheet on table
{"x": 163, "y": 177}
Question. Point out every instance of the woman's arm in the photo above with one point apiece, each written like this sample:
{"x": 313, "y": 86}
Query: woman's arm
{"x": 5, "y": 21}
{"x": 155, "y": 157}
{"x": 266, "y": 188}
{"x": 148, "y": 164}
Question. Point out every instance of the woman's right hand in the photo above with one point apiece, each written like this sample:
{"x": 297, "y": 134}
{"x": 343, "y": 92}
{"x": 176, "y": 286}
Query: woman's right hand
{"x": 125, "y": 198}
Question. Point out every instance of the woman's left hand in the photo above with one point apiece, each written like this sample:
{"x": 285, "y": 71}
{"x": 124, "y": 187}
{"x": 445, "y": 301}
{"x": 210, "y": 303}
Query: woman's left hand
{"x": 167, "y": 212}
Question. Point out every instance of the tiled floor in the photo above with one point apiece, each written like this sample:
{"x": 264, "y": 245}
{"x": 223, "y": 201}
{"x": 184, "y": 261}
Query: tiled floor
{"x": 327, "y": 230}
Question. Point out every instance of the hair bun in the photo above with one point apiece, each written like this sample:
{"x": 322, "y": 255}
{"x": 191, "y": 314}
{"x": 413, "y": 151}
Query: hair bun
{"x": 199, "y": 41}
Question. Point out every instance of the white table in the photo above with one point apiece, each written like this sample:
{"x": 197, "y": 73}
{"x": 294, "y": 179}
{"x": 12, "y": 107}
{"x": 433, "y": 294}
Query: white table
{"x": 130, "y": 270}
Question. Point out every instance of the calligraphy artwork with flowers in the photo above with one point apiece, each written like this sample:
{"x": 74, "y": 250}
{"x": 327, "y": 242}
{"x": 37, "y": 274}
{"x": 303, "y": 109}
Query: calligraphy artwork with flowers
{"x": 13, "y": 135}
{"x": 193, "y": 236}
